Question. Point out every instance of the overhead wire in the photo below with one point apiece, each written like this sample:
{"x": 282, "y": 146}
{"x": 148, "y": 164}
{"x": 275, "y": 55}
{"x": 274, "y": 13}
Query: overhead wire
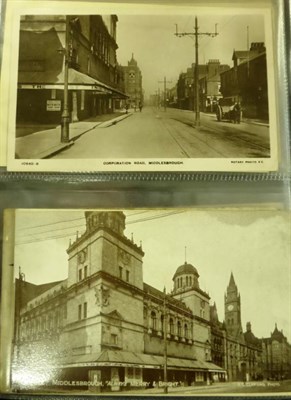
{"x": 71, "y": 234}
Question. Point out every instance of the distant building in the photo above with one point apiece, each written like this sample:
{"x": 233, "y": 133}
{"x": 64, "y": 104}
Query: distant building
{"x": 133, "y": 83}
{"x": 95, "y": 80}
{"x": 246, "y": 81}
{"x": 276, "y": 356}
{"x": 209, "y": 86}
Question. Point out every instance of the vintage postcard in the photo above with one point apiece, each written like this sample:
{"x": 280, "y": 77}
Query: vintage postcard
{"x": 103, "y": 307}
{"x": 129, "y": 87}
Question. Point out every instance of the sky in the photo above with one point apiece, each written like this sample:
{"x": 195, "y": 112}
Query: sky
{"x": 159, "y": 53}
{"x": 253, "y": 245}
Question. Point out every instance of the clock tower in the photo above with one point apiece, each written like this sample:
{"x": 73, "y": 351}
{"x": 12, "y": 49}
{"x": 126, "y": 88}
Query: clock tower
{"x": 232, "y": 309}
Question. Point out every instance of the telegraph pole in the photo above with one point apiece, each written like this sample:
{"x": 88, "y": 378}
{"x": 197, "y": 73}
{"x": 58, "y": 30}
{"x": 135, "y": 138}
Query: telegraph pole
{"x": 196, "y": 34}
{"x": 165, "y": 91}
{"x": 65, "y": 121}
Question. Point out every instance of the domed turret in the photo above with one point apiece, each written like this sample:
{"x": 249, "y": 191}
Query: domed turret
{"x": 185, "y": 277}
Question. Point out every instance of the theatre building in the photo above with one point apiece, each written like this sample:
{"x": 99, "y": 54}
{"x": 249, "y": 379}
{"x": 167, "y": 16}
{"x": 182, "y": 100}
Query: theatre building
{"x": 104, "y": 324}
{"x": 88, "y": 45}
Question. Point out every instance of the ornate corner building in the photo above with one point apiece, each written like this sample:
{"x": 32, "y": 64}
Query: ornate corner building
{"x": 104, "y": 324}
{"x": 95, "y": 79}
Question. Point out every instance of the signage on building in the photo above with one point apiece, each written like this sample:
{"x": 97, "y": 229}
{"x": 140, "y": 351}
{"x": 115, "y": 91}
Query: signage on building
{"x": 53, "y": 105}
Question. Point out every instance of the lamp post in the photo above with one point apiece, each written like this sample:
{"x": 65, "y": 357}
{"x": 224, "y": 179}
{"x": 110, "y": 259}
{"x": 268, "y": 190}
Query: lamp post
{"x": 65, "y": 121}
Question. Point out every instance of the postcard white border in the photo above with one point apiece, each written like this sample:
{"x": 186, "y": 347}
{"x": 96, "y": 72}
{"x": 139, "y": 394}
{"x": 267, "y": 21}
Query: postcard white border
{"x": 9, "y": 92}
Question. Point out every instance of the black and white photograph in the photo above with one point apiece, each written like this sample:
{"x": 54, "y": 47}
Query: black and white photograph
{"x": 144, "y": 88}
{"x": 147, "y": 301}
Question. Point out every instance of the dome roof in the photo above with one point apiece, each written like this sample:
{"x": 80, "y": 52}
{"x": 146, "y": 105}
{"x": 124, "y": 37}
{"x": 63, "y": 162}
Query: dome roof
{"x": 186, "y": 269}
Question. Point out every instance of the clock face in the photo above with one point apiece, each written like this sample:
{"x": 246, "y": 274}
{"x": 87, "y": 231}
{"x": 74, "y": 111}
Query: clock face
{"x": 82, "y": 256}
{"x": 230, "y": 307}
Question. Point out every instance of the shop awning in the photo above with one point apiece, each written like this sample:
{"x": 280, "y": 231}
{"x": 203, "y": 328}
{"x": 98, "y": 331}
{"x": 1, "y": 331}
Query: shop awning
{"x": 77, "y": 81}
{"x": 118, "y": 358}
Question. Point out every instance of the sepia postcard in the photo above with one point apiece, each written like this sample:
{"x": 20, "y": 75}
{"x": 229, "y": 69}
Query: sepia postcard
{"x": 101, "y": 306}
{"x": 130, "y": 87}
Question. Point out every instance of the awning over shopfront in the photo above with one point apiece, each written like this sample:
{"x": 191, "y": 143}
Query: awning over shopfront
{"x": 118, "y": 358}
{"x": 77, "y": 81}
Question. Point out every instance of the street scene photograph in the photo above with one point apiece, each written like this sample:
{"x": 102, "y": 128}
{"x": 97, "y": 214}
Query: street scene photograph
{"x": 103, "y": 307}
{"x": 145, "y": 91}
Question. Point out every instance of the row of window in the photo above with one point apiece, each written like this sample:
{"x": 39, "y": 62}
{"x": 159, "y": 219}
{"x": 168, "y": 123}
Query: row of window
{"x": 178, "y": 328}
{"x": 188, "y": 281}
{"x": 43, "y": 323}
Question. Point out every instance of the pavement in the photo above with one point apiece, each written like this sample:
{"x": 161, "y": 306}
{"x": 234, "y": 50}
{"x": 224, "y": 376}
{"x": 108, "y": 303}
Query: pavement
{"x": 47, "y": 143}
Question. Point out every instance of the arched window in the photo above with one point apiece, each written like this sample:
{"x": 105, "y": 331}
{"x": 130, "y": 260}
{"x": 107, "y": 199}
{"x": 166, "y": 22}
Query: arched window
{"x": 190, "y": 281}
{"x": 179, "y": 328}
{"x": 186, "y": 331}
{"x": 186, "y": 280}
{"x": 153, "y": 320}
{"x": 171, "y": 323}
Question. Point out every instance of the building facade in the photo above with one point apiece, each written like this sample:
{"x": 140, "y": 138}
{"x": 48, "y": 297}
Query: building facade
{"x": 104, "y": 324}
{"x": 209, "y": 86}
{"x": 238, "y": 352}
{"x": 246, "y": 81}
{"x": 95, "y": 80}
{"x": 105, "y": 327}
{"x": 276, "y": 356}
{"x": 133, "y": 83}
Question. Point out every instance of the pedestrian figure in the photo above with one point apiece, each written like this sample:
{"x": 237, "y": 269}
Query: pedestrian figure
{"x": 140, "y": 106}
{"x": 237, "y": 113}
{"x": 126, "y": 108}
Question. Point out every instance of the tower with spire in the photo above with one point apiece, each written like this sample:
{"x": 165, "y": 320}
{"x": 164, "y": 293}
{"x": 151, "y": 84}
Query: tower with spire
{"x": 133, "y": 82}
{"x": 232, "y": 309}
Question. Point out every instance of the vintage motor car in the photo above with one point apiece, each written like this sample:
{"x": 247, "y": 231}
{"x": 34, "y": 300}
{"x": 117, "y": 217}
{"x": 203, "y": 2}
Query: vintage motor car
{"x": 228, "y": 110}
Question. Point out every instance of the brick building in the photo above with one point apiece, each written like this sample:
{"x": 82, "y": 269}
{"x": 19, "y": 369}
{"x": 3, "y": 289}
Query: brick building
{"x": 246, "y": 81}
{"x": 276, "y": 356}
{"x": 95, "y": 80}
{"x": 209, "y": 86}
